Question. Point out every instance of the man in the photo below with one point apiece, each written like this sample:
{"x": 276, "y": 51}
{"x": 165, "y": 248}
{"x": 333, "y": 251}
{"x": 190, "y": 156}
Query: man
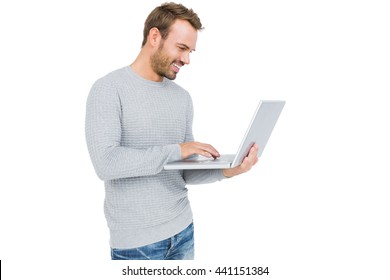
{"x": 137, "y": 120}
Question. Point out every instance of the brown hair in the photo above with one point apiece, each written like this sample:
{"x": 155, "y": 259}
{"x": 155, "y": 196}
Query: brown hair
{"x": 164, "y": 16}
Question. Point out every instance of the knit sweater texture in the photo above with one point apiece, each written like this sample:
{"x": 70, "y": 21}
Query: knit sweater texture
{"x": 133, "y": 128}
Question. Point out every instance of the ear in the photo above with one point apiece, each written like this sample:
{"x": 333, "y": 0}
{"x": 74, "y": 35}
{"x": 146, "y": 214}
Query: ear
{"x": 154, "y": 37}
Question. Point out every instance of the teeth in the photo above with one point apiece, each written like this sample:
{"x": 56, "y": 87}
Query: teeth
{"x": 174, "y": 64}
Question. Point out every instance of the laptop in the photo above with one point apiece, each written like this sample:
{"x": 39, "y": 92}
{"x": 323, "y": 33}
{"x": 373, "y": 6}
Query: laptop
{"x": 259, "y": 131}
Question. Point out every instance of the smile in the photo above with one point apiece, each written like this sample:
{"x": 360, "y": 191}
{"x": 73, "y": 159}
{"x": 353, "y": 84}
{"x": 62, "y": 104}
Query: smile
{"x": 177, "y": 67}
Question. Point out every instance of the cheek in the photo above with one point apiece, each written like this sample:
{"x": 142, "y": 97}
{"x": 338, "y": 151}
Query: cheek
{"x": 167, "y": 60}
{"x": 171, "y": 54}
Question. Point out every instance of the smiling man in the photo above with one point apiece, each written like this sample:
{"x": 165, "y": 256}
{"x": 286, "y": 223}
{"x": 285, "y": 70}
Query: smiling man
{"x": 138, "y": 120}
{"x": 166, "y": 55}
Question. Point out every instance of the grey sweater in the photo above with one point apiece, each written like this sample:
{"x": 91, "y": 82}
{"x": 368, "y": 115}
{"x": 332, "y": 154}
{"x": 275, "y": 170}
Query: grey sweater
{"x": 133, "y": 127}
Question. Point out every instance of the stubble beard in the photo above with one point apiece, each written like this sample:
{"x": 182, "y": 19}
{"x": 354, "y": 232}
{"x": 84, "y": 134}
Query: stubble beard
{"x": 161, "y": 64}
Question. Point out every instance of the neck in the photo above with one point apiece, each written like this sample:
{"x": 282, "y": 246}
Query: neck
{"x": 142, "y": 67}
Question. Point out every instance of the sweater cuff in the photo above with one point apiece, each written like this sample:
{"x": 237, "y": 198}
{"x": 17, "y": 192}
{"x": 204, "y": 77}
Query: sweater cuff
{"x": 176, "y": 153}
{"x": 222, "y": 176}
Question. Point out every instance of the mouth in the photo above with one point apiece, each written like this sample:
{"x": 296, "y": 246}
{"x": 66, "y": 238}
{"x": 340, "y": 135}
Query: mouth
{"x": 176, "y": 67}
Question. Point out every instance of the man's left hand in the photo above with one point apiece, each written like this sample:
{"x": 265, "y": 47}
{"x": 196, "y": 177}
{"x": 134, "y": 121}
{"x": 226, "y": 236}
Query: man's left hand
{"x": 249, "y": 161}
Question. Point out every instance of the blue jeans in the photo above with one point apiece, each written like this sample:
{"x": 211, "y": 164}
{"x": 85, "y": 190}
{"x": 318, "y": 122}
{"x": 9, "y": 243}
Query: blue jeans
{"x": 177, "y": 247}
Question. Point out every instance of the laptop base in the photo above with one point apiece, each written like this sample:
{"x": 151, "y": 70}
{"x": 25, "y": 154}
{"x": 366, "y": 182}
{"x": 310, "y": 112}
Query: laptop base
{"x": 200, "y": 162}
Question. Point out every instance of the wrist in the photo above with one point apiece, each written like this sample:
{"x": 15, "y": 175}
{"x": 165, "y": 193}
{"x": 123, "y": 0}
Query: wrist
{"x": 228, "y": 173}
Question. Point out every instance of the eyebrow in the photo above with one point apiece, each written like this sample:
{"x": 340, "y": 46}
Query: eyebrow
{"x": 185, "y": 46}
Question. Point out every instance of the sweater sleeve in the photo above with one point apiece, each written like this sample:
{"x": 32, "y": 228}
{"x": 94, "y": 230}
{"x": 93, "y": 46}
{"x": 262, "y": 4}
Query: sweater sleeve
{"x": 205, "y": 176}
{"x": 110, "y": 159}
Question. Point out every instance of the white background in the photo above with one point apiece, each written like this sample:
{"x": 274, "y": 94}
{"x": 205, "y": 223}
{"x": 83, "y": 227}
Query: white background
{"x": 315, "y": 207}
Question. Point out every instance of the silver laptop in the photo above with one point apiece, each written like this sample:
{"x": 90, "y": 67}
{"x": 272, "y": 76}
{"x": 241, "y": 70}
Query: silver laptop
{"x": 259, "y": 131}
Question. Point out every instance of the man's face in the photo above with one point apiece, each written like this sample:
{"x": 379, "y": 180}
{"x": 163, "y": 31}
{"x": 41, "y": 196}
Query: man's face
{"x": 174, "y": 52}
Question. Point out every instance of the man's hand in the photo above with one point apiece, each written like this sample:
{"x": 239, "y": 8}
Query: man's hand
{"x": 190, "y": 148}
{"x": 250, "y": 160}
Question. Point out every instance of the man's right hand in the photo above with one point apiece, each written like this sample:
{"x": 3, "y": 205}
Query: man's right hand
{"x": 191, "y": 148}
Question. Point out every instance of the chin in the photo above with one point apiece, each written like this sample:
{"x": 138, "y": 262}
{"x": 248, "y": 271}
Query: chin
{"x": 171, "y": 76}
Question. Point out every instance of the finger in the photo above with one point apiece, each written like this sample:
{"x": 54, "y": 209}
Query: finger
{"x": 245, "y": 164}
{"x": 255, "y": 148}
{"x": 205, "y": 153}
{"x": 212, "y": 150}
{"x": 209, "y": 149}
{"x": 201, "y": 151}
{"x": 248, "y": 163}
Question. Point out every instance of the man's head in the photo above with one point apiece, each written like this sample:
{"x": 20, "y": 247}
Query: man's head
{"x": 171, "y": 33}
{"x": 165, "y": 15}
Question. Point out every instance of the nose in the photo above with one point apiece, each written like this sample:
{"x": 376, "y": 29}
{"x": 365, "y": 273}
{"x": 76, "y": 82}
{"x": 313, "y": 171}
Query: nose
{"x": 185, "y": 58}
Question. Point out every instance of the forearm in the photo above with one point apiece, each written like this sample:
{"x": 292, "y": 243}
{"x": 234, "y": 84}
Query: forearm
{"x": 124, "y": 162}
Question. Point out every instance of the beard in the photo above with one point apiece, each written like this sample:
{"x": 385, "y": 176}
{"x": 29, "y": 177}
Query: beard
{"x": 161, "y": 64}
